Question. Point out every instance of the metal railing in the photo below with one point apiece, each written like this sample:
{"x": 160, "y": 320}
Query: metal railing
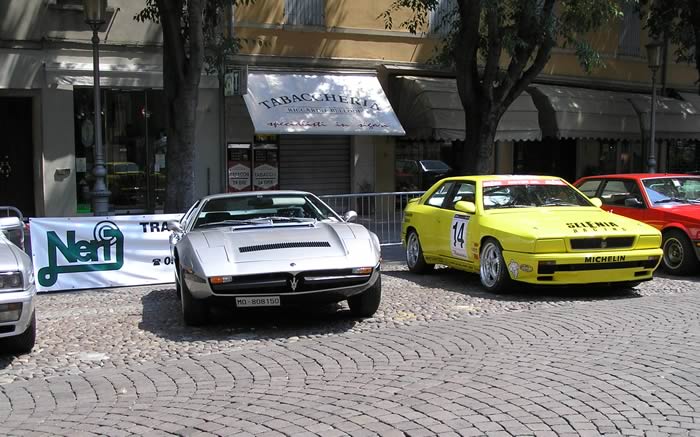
{"x": 381, "y": 213}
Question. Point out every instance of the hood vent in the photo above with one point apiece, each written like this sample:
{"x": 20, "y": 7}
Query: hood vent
{"x": 290, "y": 245}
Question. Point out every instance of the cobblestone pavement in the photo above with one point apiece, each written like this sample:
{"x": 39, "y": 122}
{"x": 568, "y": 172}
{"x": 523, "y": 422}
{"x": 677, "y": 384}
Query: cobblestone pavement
{"x": 441, "y": 356}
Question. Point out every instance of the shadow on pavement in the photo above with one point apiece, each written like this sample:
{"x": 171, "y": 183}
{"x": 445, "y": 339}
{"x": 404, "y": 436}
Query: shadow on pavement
{"x": 468, "y": 284}
{"x": 162, "y": 316}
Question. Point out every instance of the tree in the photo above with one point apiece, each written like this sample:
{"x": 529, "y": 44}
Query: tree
{"x": 678, "y": 21}
{"x": 193, "y": 38}
{"x": 481, "y": 34}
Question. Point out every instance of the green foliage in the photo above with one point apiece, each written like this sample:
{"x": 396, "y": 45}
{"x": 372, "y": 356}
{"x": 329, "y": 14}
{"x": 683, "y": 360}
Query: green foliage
{"x": 218, "y": 45}
{"x": 521, "y": 25}
{"x": 677, "y": 20}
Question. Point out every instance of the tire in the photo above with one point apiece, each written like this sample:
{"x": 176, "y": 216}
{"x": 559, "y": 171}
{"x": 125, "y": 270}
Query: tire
{"x": 366, "y": 303}
{"x": 493, "y": 271}
{"x": 194, "y": 311}
{"x": 414, "y": 255}
{"x": 178, "y": 289}
{"x": 24, "y": 343}
{"x": 679, "y": 255}
{"x": 628, "y": 284}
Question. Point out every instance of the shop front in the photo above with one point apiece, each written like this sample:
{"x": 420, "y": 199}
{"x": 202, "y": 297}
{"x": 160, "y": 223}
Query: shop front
{"x": 300, "y": 130}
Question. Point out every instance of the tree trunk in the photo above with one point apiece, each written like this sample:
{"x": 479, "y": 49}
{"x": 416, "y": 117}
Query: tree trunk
{"x": 181, "y": 153}
{"x": 477, "y": 157}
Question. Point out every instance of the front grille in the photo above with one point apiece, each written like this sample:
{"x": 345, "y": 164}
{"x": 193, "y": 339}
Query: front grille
{"x": 290, "y": 245}
{"x": 601, "y": 243}
{"x": 282, "y": 283}
{"x": 553, "y": 268}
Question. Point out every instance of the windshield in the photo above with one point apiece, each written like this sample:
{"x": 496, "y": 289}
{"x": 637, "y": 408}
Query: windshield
{"x": 263, "y": 209}
{"x": 678, "y": 190}
{"x": 532, "y": 193}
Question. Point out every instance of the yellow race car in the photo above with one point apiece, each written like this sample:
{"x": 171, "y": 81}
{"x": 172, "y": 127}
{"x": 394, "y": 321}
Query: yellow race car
{"x": 533, "y": 229}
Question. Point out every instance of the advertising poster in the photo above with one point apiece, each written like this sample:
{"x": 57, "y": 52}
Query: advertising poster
{"x": 266, "y": 174}
{"x": 239, "y": 174}
{"x": 71, "y": 253}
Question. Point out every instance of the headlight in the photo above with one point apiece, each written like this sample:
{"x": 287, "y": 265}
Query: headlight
{"x": 10, "y": 281}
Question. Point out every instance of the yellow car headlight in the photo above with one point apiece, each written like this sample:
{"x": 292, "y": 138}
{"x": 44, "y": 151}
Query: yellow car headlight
{"x": 550, "y": 245}
{"x": 648, "y": 242}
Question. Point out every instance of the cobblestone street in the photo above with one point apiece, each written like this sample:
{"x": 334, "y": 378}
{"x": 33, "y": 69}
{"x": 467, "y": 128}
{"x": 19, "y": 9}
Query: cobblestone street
{"x": 441, "y": 356}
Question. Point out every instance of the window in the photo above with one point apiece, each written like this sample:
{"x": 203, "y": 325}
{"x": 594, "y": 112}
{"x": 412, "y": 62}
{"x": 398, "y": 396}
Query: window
{"x": 305, "y": 12}
{"x": 441, "y": 19}
{"x": 438, "y": 197}
{"x": 615, "y": 192}
{"x": 630, "y": 39}
{"x": 590, "y": 188}
{"x": 465, "y": 192}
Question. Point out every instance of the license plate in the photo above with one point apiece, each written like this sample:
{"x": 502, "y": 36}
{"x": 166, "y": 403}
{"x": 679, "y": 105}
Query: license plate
{"x": 258, "y": 301}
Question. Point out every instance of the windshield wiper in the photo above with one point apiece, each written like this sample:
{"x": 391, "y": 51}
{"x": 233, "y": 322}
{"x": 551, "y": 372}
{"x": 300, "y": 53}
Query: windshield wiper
{"x": 559, "y": 204}
{"x": 671, "y": 199}
{"x": 287, "y": 219}
{"x": 228, "y": 222}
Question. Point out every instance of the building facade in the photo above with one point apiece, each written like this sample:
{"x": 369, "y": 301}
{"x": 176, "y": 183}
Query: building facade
{"x": 332, "y": 102}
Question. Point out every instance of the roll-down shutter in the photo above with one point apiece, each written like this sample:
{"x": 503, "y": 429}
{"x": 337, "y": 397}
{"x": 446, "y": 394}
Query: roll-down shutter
{"x": 316, "y": 163}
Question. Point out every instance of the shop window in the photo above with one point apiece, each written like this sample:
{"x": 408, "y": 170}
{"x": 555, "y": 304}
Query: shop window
{"x": 134, "y": 142}
{"x": 684, "y": 156}
{"x": 305, "y": 12}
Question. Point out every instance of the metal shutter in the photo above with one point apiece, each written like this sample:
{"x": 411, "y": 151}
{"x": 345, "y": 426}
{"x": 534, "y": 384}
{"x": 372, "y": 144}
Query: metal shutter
{"x": 316, "y": 163}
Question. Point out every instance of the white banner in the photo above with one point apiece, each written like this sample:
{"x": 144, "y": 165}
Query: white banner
{"x": 72, "y": 253}
{"x": 340, "y": 104}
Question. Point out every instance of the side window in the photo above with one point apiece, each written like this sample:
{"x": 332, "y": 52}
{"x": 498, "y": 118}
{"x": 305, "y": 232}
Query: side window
{"x": 615, "y": 192}
{"x": 188, "y": 215}
{"x": 438, "y": 197}
{"x": 465, "y": 191}
{"x": 590, "y": 188}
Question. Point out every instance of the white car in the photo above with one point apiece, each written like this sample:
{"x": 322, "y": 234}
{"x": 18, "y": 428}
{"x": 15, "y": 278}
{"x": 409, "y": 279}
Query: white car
{"x": 271, "y": 248}
{"x": 17, "y": 291}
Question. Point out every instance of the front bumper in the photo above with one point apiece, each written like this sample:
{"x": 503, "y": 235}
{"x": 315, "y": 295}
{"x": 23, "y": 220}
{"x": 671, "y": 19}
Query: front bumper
{"x": 582, "y": 268}
{"x": 325, "y": 287}
{"x": 25, "y": 298}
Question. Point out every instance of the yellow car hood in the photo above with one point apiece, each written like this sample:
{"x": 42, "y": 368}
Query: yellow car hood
{"x": 558, "y": 222}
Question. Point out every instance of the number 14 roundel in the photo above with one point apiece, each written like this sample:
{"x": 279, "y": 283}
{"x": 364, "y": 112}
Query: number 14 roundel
{"x": 458, "y": 236}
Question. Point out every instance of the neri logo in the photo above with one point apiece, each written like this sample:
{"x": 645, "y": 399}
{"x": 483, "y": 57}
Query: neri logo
{"x": 103, "y": 253}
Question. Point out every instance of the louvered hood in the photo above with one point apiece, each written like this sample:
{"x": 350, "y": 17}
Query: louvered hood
{"x": 230, "y": 251}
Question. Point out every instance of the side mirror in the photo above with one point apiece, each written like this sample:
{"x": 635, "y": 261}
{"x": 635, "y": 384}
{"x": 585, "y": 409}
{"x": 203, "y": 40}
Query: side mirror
{"x": 596, "y": 202}
{"x": 350, "y": 216}
{"x": 174, "y": 225}
{"x": 633, "y": 202}
{"x": 11, "y": 224}
{"x": 464, "y": 206}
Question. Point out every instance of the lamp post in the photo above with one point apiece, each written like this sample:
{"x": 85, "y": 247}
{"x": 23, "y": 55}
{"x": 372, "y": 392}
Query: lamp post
{"x": 95, "y": 16}
{"x": 654, "y": 61}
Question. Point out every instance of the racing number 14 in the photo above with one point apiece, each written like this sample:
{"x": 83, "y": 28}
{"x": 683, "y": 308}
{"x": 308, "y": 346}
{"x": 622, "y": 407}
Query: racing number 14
{"x": 458, "y": 238}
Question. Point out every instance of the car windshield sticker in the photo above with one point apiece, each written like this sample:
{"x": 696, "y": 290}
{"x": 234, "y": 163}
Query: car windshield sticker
{"x": 458, "y": 235}
{"x": 506, "y": 182}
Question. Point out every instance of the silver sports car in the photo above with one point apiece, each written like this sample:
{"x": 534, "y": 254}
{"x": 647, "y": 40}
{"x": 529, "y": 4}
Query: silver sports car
{"x": 17, "y": 291}
{"x": 272, "y": 248}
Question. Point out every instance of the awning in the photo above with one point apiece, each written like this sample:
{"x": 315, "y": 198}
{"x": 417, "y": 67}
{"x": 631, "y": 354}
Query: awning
{"x": 341, "y": 104}
{"x": 584, "y": 113}
{"x": 430, "y": 108}
{"x": 675, "y": 119}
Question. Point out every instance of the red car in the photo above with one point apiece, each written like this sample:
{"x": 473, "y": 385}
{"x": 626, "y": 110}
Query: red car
{"x": 669, "y": 202}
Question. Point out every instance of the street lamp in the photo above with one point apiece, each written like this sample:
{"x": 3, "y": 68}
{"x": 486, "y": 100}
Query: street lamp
{"x": 95, "y": 16}
{"x": 654, "y": 61}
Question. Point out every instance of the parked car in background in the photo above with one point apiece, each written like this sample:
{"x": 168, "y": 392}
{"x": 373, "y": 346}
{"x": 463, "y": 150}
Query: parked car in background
{"x": 17, "y": 291}
{"x": 669, "y": 202}
{"x": 271, "y": 248}
{"x": 419, "y": 175}
{"x": 531, "y": 229}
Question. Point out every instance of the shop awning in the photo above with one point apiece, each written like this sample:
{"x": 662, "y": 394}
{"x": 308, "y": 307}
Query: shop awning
{"x": 430, "y": 108}
{"x": 307, "y": 103}
{"x": 584, "y": 113}
{"x": 675, "y": 119}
